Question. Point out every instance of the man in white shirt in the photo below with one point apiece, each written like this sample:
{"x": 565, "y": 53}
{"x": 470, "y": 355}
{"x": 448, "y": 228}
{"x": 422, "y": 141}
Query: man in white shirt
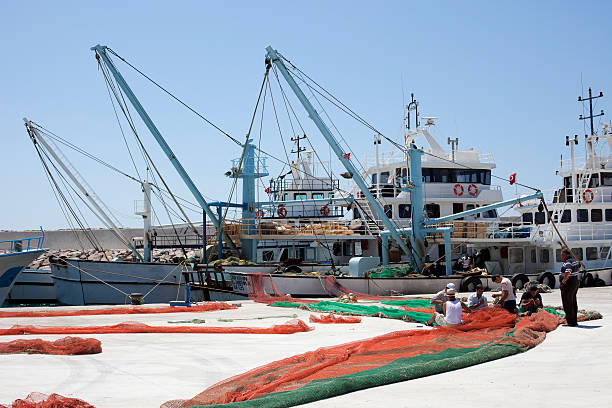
{"x": 507, "y": 299}
{"x": 453, "y": 309}
{"x": 440, "y": 298}
{"x": 477, "y": 300}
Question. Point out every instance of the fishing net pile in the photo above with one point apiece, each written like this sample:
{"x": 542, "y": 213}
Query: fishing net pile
{"x": 398, "y": 356}
{"x": 205, "y": 307}
{"x": 39, "y": 400}
{"x": 392, "y": 272}
{"x": 290, "y": 327}
{"x": 64, "y": 346}
{"x": 332, "y": 318}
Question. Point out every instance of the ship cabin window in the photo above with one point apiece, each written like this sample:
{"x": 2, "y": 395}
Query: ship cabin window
{"x": 431, "y": 175}
{"x": 384, "y": 177}
{"x": 317, "y": 195}
{"x": 544, "y": 256}
{"x": 604, "y": 252}
{"x": 606, "y": 179}
{"x": 540, "y": 218}
{"x": 388, "y": 210}
{"x": 566, "y": 216}
{"x": 285, "y": 196}
{"x": 527, "y": 218}
{"x": 594, "y": 182}
{"x": 596, "y": 215}
{"x": 582, "y": 215}
{"x": 591, "y": 253}
{"x": 558, "y": 255}
{"x": 310, "y": 255}
{"x": 577, "y": 253}
{"x": 404, "y": 210}
{"x": 337, "y": 249}
{"x": 567, "y": 182}
{"x": 299, "y": 196}
{"x": 489, "y": 214}
{"x": 533, "y": 256}
{"x": 432, "y": 210}
{"x": 330, "y": 195}
{"x": 374, "y": 179}
{"x": 267, "y": 256}
{"x": 608, "y": 214}
{"x": 349, "y": 248}
{"x": 515, "y": 255}
{"x": 471, "y": 207}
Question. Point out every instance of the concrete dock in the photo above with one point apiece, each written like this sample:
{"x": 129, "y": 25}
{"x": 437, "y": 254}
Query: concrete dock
{"x": 570, "y": 368}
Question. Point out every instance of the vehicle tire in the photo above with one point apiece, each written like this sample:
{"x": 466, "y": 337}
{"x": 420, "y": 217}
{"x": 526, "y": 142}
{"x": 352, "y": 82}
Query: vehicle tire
{"x": 599, "y": 282}
{"x": 293, "y": 269}
{"x": 548, "y": 279}
{"x": 519, "y": 280}
{"x": 468, "y": 284}
{"x": 588, "y": 280}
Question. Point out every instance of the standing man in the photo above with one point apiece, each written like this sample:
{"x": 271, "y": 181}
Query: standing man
{"x": 507, "y": 299}
{"x": 440, "y": 298}
{"x": 569, "y": 287}
{"x": 477, "y": 300}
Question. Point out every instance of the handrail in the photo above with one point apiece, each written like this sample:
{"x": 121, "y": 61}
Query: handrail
{"x": 16, "y": 244}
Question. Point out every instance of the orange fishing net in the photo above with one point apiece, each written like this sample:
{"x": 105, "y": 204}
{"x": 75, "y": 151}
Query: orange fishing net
{"x": 38, "y": 400}
{"x": 64, "y": 346}
{"x": 290, "y": 327}
{"x": 332, "y": 318}
{"x": 486, "y": 335}
{"x": 206, "y": 307}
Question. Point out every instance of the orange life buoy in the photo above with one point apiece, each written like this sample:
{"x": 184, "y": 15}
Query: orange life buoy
{"x": 458, "y": 189}
{"x": 588, "y": 196}
{"x": 259, "y": 213}
{"x": 473, "y": 190}
{"x": 324, "y": 211}
{"x": 282, "y": 212}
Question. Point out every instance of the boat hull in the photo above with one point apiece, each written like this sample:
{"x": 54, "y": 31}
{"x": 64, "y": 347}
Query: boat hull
{"x": 11, "y": 265}
{"x": 33, "y": 286}
{"x": 82, "y": 282}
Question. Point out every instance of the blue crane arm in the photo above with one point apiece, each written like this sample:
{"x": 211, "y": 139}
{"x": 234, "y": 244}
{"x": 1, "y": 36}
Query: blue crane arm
{"x": 101, "y": 51}
{"x": 342, "y": 156}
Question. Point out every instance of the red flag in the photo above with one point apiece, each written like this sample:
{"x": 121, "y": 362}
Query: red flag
{"x": 512, "y": 178}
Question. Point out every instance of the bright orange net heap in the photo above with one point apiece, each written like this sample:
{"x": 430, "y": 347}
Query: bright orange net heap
{"x": 64, "y": 346}
{"x": 332, "y": 318}
{"x": 38, "y": 400}
{"x": 486, "y": 335}
{"x": 206, "y": 307}
{"x": 290, "y": 327}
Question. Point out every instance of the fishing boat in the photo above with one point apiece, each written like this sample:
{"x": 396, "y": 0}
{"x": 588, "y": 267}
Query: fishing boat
{"x": 15, "y": 255}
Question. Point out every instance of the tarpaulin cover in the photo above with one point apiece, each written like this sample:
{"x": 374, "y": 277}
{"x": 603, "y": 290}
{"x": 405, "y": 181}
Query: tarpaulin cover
{"x": 332, "y": 318}
{"x": 398, "y": 356}
{"x": 63, "y": 346}
{"x": 206, "y": 307}
{"x": 38, "y": 400}
{"x": 290, "y": 327}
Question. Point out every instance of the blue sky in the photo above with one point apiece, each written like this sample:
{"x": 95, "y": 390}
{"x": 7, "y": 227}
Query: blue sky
{"x": 502, "y": 76}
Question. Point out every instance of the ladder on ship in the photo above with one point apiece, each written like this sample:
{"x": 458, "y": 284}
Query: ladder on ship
{"x": 368, "y": 216}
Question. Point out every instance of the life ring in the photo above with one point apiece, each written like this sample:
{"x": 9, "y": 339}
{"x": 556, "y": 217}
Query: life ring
{"x": 458, "y": 190}
{"x": 590, "y": 196}
{"x": 282, "y": 212}
{"x": 259, "y": 213}
{"x": 473, "y": 190}
{"x": 324, "y": 211}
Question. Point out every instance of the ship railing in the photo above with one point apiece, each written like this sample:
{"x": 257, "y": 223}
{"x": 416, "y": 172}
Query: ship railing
{"x": 22, "y": 244}
{"x": 258, "y": 228}
{"x": 306, "y": 184}
{"x": 489, "y": 230}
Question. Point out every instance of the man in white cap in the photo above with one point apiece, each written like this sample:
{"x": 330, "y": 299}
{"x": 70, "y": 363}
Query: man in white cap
{"x": 441, "y": 297}
{"x": 452, "y": 311}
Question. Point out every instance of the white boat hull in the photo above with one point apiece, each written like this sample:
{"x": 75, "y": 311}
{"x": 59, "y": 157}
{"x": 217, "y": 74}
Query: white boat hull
{"x": 11, "y": 265}
{"x": 81, "y": 282}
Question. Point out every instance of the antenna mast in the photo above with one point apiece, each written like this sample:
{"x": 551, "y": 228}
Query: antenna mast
{"x": 591, "y": 116}
{"x": 297, "y": 141}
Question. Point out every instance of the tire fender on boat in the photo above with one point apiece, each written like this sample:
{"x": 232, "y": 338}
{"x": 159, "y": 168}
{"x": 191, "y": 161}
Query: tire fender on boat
{"x": 548, "y": 279}
{"x": 469, "y": 283}
{"x": 519, "y": 277}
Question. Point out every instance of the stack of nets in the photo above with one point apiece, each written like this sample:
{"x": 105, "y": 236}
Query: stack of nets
{"x": 392, "y": 271}
{"x": 39, "y": 400}
{"x": 63, "y": 346}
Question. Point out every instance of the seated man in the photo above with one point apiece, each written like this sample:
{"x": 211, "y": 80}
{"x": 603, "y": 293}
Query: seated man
{"x": 531, "y": 301}
{"x": 477, "y": 300}
{"x": 453, "y": 308}
{"x": 507, "y": 300}
{"x": 440, "y": 298}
